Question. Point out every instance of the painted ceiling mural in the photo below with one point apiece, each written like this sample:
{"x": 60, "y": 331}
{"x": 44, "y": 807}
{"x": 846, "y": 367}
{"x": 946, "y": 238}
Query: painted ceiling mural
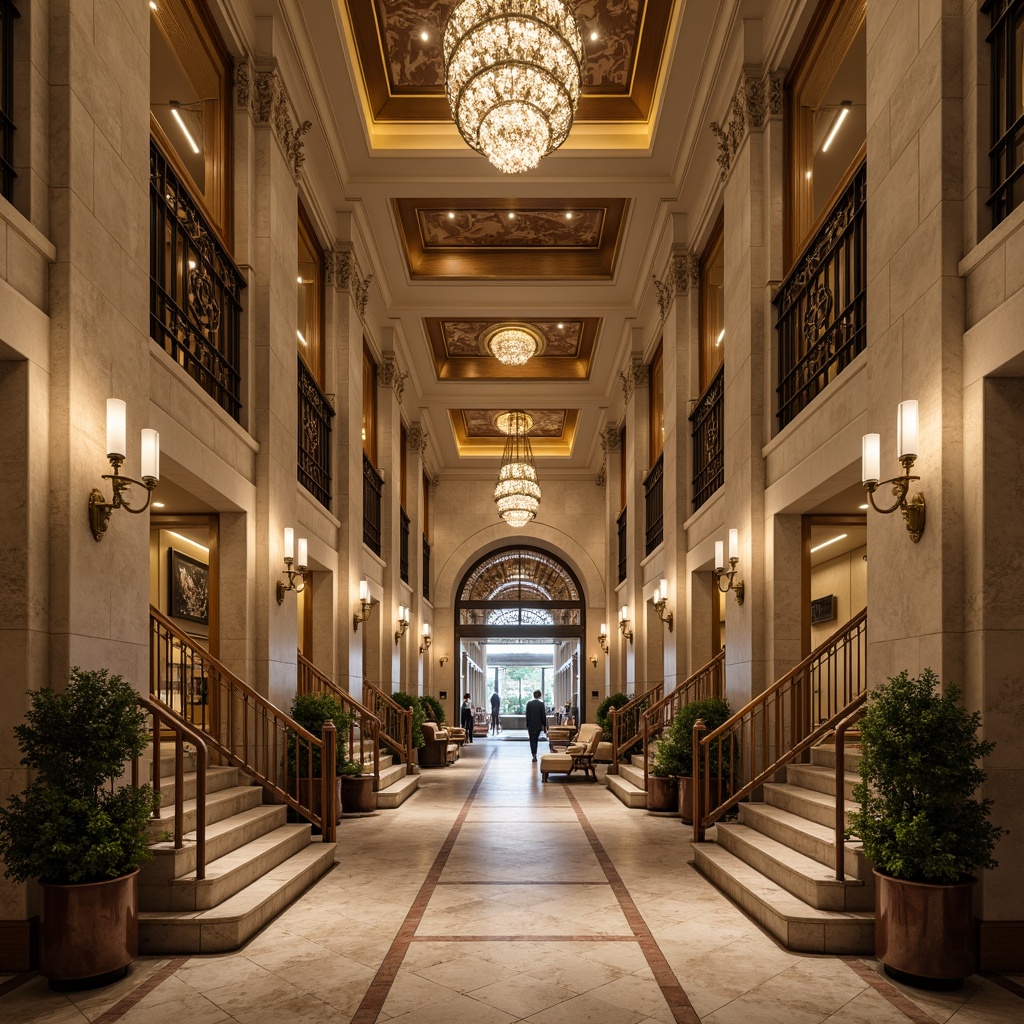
{"x": 481, "y": 422}
{"x": 516, "y": 229}
{"x": 466, "y": 337}
{"x": 414, "y": 64}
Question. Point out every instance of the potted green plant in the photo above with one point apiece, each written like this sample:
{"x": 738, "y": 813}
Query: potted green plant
{"x": 432, "y": 708}
{"x": 713, "y": 711}
{"x": 923, "y": 827}
{"x": 357, "y": 795}
{"x": 663, "y": 776}
{"x": 419, "y": 716}
{"x": 79, "y": 832}
{"x": 311, "y": 711}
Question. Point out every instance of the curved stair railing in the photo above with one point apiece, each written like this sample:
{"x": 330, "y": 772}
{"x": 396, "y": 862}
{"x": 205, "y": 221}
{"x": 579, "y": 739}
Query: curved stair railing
{"x": 627, "y": 724}
{"x": 395, "y": 721}
{"x": 707, "y": 681}
{"x": 363, "y": 735}
{"x": 242, "y": 726}
{"x": 778, "y": 725}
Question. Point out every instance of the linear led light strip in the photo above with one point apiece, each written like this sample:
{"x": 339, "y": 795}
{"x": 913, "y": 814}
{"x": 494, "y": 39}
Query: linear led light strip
{"x": 175, "y": 107}
{"x": 825, "y": 543}
{"x": 840, "y": 118}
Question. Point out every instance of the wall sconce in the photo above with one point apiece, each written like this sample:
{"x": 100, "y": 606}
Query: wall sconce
{"x": 301, "y": 564}
{"x": 624, "y": 623}
{"x": 403, "y": 623}
{"x": 660, "y": 600}
{"x": 728, "y": 574}
{"x": 99, "y": 508}
{"x": 906, "y": 447}
{"x": 602, "y": 637}
{"x": 427, "y": 638}
{"x": 365, "y": 603}
{"x": 442, "y": 660}
{"x": 593, "y": 660}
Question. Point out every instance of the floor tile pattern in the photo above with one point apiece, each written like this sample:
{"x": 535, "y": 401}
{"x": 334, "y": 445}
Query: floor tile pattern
{"x": 492, "y": 898}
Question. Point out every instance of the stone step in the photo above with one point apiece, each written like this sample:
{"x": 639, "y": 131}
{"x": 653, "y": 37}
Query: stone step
{"x": 231, "y": 873}
{"x": 825, "y": 755}
{"x": 807, "y": 803}
{"x": 634, "y": 776}
{"x": 391, "y": 775}
{"x": 808, "y": 837}
{"x": 221, "y": 838}
{"x": 217, "y": 778}
{"x": 228, "y": 925}
{"x": 397, "y": 793}
{"x": 820, "y": 778}
{"x": 630, "y": 795}
{"x": 807, "y": 879}
{"x": 797, "y": 926}
{"x": 219, "y": 805}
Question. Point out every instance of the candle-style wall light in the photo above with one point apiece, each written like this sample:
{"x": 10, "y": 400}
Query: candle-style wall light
{"x": 721, "y": 573}
{"x": 907, "y": 436}
{"x": 301, "y": 565}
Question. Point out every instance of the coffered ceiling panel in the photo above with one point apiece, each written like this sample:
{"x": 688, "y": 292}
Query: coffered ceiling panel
{"x": 460, "y": 352}
{"x": 476, "y": 431}
{"x": 399, "y": 48}
{"x": 511, "y": 238}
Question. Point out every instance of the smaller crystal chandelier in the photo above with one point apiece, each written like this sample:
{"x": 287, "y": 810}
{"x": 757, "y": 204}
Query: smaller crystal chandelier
{"x": 512, "y": 344}
{"x": 513, "y": 74}
{"x": 517, "y": 493}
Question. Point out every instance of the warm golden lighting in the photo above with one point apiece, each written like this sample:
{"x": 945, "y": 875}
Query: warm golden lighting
{"x": 512, "y": 345}
{"x": 517, "y": 492}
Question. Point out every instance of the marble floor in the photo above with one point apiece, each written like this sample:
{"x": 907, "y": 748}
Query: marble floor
{"x": 490, "y": 898}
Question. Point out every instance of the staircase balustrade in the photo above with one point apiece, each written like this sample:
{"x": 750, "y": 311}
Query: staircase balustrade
{"x": 365, "y": 728}
{"x": 856, "y": 710}
{"x": 707, "y": 681}
{"x": 627, "y": 724}
{"x": 241, "y": 725}
{"x": 395, "y": 721}
{"x": 183, "y": 733}
{"x": 778, "y": 725}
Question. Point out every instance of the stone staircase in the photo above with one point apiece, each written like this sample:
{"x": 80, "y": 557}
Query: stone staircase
{"x": 628, "y": 783}
{"x": 256, "y": 864}
{"x": 777, "y": 862}
{"x": 396, "y": 784}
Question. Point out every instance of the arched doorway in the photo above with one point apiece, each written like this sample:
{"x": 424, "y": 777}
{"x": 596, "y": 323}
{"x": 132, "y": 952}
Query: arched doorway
{"x": 520, "y": 617}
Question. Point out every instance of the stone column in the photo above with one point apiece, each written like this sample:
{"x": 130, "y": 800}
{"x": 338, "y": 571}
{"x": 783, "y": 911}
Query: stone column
{"x": 417, "y": 673}
{"x": 614, "y": 680}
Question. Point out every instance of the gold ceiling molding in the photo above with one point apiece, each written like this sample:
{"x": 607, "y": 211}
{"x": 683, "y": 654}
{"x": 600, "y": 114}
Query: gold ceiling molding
{"x": 477, "y": 433}
{"x": 502, "y": 239}
{"x": 457, "y": 347}
{"x": 402, "y": 74}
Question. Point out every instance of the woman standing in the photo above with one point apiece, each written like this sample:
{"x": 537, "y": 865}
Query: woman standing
{"x": 467, "y": 717}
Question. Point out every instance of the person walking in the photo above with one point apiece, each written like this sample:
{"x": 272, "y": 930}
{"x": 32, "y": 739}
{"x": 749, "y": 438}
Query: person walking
{"x": 467, "y": 716}
{"x": 495, "y": 713}
{"x": 536, "y": 721}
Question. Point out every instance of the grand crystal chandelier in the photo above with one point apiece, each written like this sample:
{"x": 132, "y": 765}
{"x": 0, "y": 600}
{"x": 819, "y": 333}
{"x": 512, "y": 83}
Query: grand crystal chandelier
{"x": 512, "y": 346}
{"x": 517, "y": 493}
{"x": 513, "y": 74}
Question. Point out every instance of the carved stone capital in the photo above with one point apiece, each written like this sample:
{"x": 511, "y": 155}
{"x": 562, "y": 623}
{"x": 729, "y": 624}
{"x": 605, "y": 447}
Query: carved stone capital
{"x": 602, "y": 477}
{"x": 683, "y": 270}
{"x": 611, "y": 439}
{"x": 390, "y": 376}
{"x": 757, "y": 99}
{"x": 417, "y": 438}
{"x": 341, "y": 269}
{"x": 636, "y": 376}
{"x": 261, "y": 92}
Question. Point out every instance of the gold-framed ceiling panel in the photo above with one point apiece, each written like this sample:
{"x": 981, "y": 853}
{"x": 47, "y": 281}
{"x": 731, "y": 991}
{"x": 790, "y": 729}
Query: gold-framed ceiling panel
{"x": 476, "y": 432}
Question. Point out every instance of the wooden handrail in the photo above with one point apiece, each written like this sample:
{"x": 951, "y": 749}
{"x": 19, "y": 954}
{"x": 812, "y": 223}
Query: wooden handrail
{"x": 771, "y": 730}
{"x": 855, "y": 715}
{"x": 396, "y": 721}
{"x": 309, "y": 679}
{"x": 245, "y": 729}
{"x": 627, "y": 723}
{"x": 182, "y": 731}
{"x": 707, "y": 681}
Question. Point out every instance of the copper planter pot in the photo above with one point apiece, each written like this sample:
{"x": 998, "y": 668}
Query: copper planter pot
{"x": 357, "y": 795}
{"x": 662, "y": 793}
{"x": 924, "y": 934}
{"x": 90, "y": 932}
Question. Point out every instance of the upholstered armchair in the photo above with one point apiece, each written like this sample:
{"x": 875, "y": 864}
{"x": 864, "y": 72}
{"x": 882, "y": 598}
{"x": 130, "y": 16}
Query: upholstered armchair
{"x": 578, "y": 756}
{"x": 438, "y": 750}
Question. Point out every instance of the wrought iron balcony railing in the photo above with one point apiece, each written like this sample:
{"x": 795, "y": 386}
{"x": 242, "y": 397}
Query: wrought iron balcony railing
{"x": 654, "y": 502}
{"x": 621, "y": 524}
{"x": 373, "y": 485}
{"x": 426, "y": 569}
{"x": 708, "y": 440}
{"x": 403, "y": 545}
{"x": 315, "y": 417}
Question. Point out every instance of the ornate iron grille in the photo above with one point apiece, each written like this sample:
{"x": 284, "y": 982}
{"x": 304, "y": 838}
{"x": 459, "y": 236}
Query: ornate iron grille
{"x": 315, "y": 417}
{"x": 708, "y": 441}
{"x": 654, "y": 502}
{"x": 195, "y": 289}
{"x": 8, "y": 12}
{"x": 373, "y": 484}
{"x": 621, "y": 524}
{"x": 426, "y": 569}
{"x": 822, "y": 305}
{"x": 1006, "y": 157}
{"x": 403, "y": 545}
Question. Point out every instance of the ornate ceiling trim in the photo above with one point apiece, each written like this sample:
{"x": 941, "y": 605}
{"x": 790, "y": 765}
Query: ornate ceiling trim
{"x": 550, "y": 437}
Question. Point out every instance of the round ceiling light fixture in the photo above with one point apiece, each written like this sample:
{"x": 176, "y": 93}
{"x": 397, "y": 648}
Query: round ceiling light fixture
{"x": 513, "y": 75}
{"x": 517, "y": 492}
{"x": 512, "y": 344}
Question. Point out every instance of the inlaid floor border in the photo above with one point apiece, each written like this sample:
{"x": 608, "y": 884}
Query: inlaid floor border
{"x": 889, "y": 992}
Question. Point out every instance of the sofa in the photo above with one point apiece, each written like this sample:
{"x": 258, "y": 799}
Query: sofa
{"x": 578, "y": 756}
{"x": 438, "y": 750}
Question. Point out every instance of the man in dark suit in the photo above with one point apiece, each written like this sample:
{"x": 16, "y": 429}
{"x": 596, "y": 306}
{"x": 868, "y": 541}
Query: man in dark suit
{"x": 536, "y": 721}
{"x": 495, "y": 713}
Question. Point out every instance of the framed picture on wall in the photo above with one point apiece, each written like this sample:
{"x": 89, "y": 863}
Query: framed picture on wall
{"x": 189, "y": 588}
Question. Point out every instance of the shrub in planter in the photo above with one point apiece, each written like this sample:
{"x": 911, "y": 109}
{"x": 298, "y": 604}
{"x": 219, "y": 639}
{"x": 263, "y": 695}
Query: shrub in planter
{"x": 922, "y": 825}
{"x": 311, "y": 711}
{"x": 357, "y": 794}
{"x": 75, "y": 830}
{"x": 419, "y": 716}
{"x": 614, "y": 700}
{"x": 433, "y": 709}
{"x": 722, "y": 763}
